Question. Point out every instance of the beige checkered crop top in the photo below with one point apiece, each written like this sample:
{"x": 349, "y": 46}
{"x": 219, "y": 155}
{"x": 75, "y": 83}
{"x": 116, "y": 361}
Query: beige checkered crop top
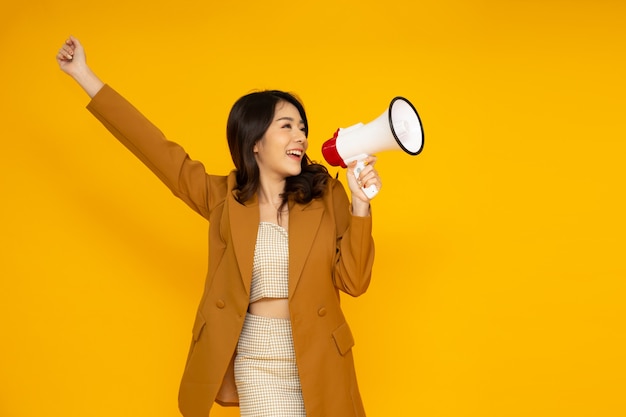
{"x": 270, "y": 270}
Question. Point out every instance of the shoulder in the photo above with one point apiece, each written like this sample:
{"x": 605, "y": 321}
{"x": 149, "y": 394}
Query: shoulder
{"x": 222, "y": 185}
{"x": 336, "y": 200}
{"x": 336, "y": 191}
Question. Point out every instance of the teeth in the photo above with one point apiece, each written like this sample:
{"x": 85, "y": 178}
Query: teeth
{"x": 294, "y": 152}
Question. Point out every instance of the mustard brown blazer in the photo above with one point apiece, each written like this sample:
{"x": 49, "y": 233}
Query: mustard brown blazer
{"x": 329, "y": 251}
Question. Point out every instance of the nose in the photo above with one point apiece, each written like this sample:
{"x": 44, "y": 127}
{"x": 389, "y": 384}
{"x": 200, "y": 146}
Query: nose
{"x": 300, "y": 138}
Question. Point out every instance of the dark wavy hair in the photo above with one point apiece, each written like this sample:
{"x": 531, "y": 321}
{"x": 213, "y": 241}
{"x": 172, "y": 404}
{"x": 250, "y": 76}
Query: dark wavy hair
{"x": 248, "y": 121}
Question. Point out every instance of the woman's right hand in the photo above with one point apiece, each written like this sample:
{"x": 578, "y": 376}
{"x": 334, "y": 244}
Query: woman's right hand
{"x": 71, "y": 59}
{"x": 71, "y": 56}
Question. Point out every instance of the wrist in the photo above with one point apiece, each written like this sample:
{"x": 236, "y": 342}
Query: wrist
{"x": 88, "y": 80}
{"x": 360, "y": 208}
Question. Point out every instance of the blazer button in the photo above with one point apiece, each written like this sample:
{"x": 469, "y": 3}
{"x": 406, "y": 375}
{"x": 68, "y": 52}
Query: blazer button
{"x": 321, "y": 312}
{"x": 220, "y": 303}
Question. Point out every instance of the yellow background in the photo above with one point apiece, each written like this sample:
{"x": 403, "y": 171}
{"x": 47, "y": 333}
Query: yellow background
{"x": 499, "y": 287}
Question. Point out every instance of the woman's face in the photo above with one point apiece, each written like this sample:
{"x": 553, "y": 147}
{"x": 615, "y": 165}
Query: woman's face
{"x": 280, "y": 151}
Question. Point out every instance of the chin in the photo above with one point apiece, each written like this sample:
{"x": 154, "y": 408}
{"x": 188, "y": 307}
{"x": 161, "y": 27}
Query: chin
{"x": 295, "y": 173}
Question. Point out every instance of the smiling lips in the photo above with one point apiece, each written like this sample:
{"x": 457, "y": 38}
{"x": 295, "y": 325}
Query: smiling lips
{"x": 295, "y": 152}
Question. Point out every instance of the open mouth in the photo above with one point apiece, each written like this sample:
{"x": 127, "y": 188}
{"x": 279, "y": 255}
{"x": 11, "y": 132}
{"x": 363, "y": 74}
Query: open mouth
{"x": 297, "y": 153}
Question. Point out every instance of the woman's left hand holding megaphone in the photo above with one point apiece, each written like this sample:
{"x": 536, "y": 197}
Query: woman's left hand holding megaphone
{"x": 360, "y": 178}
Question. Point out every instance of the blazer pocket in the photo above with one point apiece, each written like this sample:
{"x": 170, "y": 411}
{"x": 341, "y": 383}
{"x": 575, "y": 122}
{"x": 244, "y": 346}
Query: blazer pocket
{"x": 196, "y": 331}
{"x": 343, "y": 338}
{"x": 198, "y": 326}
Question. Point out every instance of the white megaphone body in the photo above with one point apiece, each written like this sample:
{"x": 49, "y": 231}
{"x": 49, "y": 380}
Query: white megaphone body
{"x": 398, "y": 128}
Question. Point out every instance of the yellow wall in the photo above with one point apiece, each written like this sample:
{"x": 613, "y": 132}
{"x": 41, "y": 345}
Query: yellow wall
{"x": 499, "y": 287}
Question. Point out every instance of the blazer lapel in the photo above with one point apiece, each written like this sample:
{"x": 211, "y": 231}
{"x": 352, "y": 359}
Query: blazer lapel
{"x": 303, "y": 224}
{"x": 244, "y": 226}
{"x": 304, "y": 220}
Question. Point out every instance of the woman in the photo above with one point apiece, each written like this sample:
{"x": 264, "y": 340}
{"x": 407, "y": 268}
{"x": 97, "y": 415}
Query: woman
{"x": 284, "y": 239}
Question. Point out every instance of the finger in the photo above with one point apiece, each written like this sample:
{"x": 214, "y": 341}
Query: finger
{"x": 373, "y": 182}
{"x": 368, "y": 180}
{"x": 75, "y": 43}
{"x": 370, "y": 177}
{"x": 65, "y": 55}
{"x": 351, "y": 170}
{"x": 67, "y": 49}
{"x": 370, "y": 160}
{"x": 365, "y": 172}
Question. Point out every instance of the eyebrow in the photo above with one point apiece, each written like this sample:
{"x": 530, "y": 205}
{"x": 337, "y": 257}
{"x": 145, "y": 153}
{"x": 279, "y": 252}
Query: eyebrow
{"x": 291, "y": 119}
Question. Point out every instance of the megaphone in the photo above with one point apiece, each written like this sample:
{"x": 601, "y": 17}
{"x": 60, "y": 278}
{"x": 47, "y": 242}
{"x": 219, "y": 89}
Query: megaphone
{"x": 398, "y": 128}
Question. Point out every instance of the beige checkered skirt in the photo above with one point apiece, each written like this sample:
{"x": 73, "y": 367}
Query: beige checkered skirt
{"x": 265, "y": 369}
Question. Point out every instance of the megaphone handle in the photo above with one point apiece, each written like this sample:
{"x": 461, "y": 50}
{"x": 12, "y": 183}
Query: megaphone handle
{"x": 370, "y": 191}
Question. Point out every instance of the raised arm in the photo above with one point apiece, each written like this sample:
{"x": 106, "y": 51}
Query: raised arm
{"x": 355, "y": 245}
{"x": 185, "y": 177}
{"x": 72, "y": 60}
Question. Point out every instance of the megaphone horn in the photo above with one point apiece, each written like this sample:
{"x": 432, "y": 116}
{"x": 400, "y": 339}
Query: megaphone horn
{"x": 398, "y": 128}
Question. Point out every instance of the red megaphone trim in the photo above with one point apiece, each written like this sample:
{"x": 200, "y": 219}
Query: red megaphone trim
{"x": 329, "y": 151}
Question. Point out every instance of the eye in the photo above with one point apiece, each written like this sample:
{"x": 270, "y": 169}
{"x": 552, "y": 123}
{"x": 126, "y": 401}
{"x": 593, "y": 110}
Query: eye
{"x": 288, "y": 126}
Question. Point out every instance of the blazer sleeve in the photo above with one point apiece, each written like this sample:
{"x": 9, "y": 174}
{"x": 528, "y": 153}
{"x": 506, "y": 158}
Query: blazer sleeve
{"x": 186, "y": 178}
{"x": 355, "y": 246}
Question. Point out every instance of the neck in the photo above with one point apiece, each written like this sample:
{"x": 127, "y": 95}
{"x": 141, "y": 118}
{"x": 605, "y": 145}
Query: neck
{"x": 271, "y": 193}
